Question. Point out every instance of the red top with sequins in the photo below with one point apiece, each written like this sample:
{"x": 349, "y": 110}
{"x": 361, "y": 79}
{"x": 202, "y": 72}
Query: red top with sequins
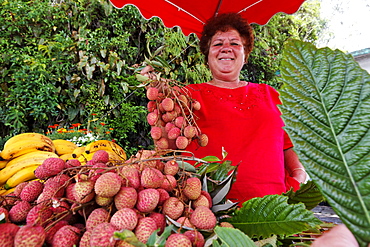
{"x": 247, "y": 124}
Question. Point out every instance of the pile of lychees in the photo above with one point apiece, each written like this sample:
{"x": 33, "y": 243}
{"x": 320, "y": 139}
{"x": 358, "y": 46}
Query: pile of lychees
{"x": 171, "y": 116}
{"x": 70, "y": 204}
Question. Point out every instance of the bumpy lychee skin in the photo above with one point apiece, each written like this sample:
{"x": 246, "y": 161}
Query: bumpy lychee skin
{"x": 189, "y": 131}
{"x": 39, "y": 214}
{"x": 18, "y": 212}
{"x": 103, "y": 201}
{"x": 29, "y": 235}
{"x": 18, "y": 189}
{"x": 108, "y": 184}
{"x": 50, "y": 167}
{"x": 193, "y": 188}
{"x": 125, "y": 218}
{"x": 97, "y": 216}
{"x": 169, "y": 183}
{"x": 145, "y": 227}
{"x": 178, "y": 240}
{"x": 203, "y": 140}
{"x": 184, "y": 221}
{"x": 100, "y": 156}
{"x": 130, "y": 177}
{"x": 171, "y": 167}
{"x": 152, "y": 93}
{"x": 168, "y": 104}
{"x": 85, "y": 239}
{"x": 102, "y": 235}
{"x": 202, "y": 200}
{"x": 196, "y": 238}
{"x": 125, "y": 198}
{"x": 182, "y": 142}
{"x": 4, "y": 213}
{"x": 174, "y": 133}
{"x": 147, "y": 200}
{"x": 163, "y": 196}
{"x": 66, "y": 236}
{"x": 7, "y": 234}
{"x": 72, "y": 163}
{"x": 52, "y": 229}
{"x": 160, "y": 221}
{"x": 203, "y": 218}
{"x": 83, "y": 191}
{"x": 226, "y": 224}
{"x": 151, "y": 178}
{"x": 156, "y": 132}
{"x": 31, "y": 191}
{"x": 173, "y": 208}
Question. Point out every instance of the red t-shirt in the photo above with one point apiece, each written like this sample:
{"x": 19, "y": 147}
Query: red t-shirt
{"x": 247, "y": 124}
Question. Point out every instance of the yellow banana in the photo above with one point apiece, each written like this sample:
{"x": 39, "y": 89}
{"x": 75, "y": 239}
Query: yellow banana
{"x": 106, "y": 145}
{"x": 26, "y": 160}
{"x": 27, "y": 136}
{"x": 4, "y": 192}
{"x": 26, "y": 146}
{"x": 3, "y": 163}
{"x": 78, "y": 151}
{"x": 84, "y": 157}
{"x": 20, "y": 176}
{"x": 113, "y": 157}
{"x": 64, "y": 146}
{"x": 66, "y": 157}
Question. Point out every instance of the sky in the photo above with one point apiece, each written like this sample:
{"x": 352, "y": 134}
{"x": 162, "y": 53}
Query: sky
{"x": 349, "y": 24}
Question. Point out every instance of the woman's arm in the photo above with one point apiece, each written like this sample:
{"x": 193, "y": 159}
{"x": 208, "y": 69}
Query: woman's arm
{"x": 294, "y": 166}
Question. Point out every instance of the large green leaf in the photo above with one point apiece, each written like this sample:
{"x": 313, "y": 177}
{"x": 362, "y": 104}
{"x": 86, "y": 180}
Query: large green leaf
{"x": 326, "y": 108}
{"x": 272, "y": 215}
{"x": 308, "y": 194}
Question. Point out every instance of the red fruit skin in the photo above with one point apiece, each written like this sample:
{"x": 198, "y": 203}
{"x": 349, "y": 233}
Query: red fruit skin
{"x": 196, "y": 238}
{"x": 184, "y": 221}
{"x": 97, "y": 216}
{"x": 7, "y": 234}
{"x": 83, "y": 191}
{"x": 102, "y": 235}
{"x": 202, "y": 200}
{"x": 39, "y": 214}
{"x": 152, "y": 93}
{"x": 193, "y": 188}
{"x": 174, "y": 133}
{"x": 85, "y": 239}
{"x": 168, "y": 104}
{"x": 108, "y": 184}
{"x": 147, "y": 200}
{"x": 18, "y": 213}
{"x": 178, "y": 240}
{"x": 163, "y": 196}
{"x": 203, "y": 218}
{"x": 130, "y": 177}
{"x": 151, "y": 178}
{"x": 125, "y": 198}
{"x": 5, "y": 212}
{"x": 173, "y": 208}
{"x": 31, "y": 191}
{"x": 156, "y": 132}
{"x": 18, "y": 189}
{"x": 208, "y": 196}
{"x": 152, "y": 118}
{"x": 171, "y": 167}
{"x": 160, "y": 221}
{"x": 162, "y": 143}
{"x": 189, "y": 131}
{"x": 169, "y": 183}
{"x": 29, "y": 235}
{"x": 53, "y": 229}
{"x": 182, "y": 142}
{"x": 50, "y": 167}
{"x": 66, "y": 236}
{"x": 100, "y": 156}
{"x": 125, "y": 218}
{"x": 145, "y": 227}
{"x": 72, "y": 163}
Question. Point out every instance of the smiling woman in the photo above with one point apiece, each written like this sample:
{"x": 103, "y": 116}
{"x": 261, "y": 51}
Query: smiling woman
{"x": 240, "y": 117}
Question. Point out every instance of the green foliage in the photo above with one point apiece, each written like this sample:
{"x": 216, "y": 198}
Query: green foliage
{"x": 326, "y": 107}
{"x": 231, "y": 237}
{"x": 308, "y": 194}
{"x": 272, "y": 215}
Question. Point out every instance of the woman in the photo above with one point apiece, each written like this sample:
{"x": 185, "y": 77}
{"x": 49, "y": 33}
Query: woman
{"x": 240, "y": 117}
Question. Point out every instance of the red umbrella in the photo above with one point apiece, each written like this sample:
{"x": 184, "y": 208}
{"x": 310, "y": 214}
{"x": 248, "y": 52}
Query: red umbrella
{"x": 190, "y": 15}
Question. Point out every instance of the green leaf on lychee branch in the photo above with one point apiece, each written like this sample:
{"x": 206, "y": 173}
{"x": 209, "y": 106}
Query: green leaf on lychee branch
{"x": 186, "y": 166}
{"x": 272, "y": 215}
{"x": 218, "y": 194}
{"x": 176, "y": 225}
{"x": 227, "y": 236}
{"x": 129, "y": 237}
{"x": 308, "y": 193}
{"x": 155, "y": 240}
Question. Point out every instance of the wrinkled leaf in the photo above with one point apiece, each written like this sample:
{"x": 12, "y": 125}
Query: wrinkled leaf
{"x": 272, "y": 215}
{"x": 186, "y": 166}
{"x": 232, "y": 237}
{"x": 308, "y": 194}
{"x": 326, "y": 108}
{"x": 221, "y": 190}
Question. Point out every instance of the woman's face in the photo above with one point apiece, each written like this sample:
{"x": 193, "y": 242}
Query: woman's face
{"x": 226, "y": 55}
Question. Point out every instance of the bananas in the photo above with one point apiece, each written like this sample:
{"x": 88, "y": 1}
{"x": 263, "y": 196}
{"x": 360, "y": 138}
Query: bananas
{"x": 64, "y": 146}
{"x": 3, "y": 163}
{"x": 78, "y": 151}
{"x": 113, "y": 157}
{"x": 21, "y": 144}
{"x": 107, "y": 146}
{"x": 20, "y": 176}
{"x": 66, "y": 157}
{"x": 23, "y": 161}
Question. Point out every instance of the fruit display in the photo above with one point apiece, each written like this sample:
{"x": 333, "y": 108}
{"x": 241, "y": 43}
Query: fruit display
{"x": 171, "y": 116}
{"x": 105, "y": 202}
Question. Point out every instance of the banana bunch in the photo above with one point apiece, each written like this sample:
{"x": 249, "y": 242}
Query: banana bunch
{"x": 24, "y": 143}
{"x": 64, "y": 149}
{"x": 107, "y": 146}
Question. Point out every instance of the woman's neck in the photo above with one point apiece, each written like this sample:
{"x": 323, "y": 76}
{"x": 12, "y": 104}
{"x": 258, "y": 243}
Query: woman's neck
{"x": 228, "y": 84}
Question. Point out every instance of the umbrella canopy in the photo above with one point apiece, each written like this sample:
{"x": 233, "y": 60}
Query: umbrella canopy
{"x": 190, "y": 15}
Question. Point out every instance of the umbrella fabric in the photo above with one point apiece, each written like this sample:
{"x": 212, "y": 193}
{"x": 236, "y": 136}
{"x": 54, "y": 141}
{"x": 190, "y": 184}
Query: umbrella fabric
{"x": 190, "y": 15}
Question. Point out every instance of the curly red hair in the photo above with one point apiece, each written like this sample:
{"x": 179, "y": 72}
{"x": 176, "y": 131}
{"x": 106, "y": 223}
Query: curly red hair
{"x": 223, "y": 23}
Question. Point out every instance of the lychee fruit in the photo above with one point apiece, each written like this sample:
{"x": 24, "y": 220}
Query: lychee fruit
{"x": 102, "y": 235}
{"x": 85, "y": 239}
{"x": 196, "y": 238}
{"x": 108, "y": 184}
{"x": 156, "y": 132}
{"x": 73, "y": 163}
{"x": 125, "y": 218}
{"x": 151, "y": 178}
{"x": 171, "y": 167}
{"x": 151, "y": 106}
{"x": 7, "y": 234}
{"x": 66, "y": 236}
{"x": 147, "y": 200}
{"x": 50, "y": 167}
{"x": 169, "y": 183}
{"x": 189, "y": 131}
{"x": 4, "y": 214}
{"x": 182, "y": 142}
{"x": 168, "y": 104}
{"x": 184, "y": 221}
{"x": 178, "y": 239}
{"x": 103, "y": 201}
{"x": 152, "y": 118}
{"x": 203, "y": 140}
{"x": 52, "y": 229}
{"x": 29, "y": 235}
{"x": 226, "y": 224}
{"x": 162, "y": 143}
{"x": 130, "y": 177}
{"x": 97, "y": 216}
{"x": 152, "y": 93}
{"x": 173, "y": 208}
{"x": 31, "y": 191}
{"x": 18, "y": 189}
{"x": 125, "y": 198}
{"x": 174, "y": 133}
{"x": 160, "y": 220}
{"x": 180, "y": 122}
{"x": 168, "y": 126}
{"x": 83, "y": 191}
{"x": 163, "y": 196}
{"x": 39, "y": 214}
{"x": 201, "y": 201}
{"x": 100, "y": 156}
{"x": 192, "y": 188}
{"x": 145, "y": 227}
{"x": 203, "y": 218}
{"x": 19, "y": 211}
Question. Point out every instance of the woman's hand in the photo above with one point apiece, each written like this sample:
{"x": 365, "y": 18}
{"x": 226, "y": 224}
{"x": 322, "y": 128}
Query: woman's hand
{"x": 294, "y": 166}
